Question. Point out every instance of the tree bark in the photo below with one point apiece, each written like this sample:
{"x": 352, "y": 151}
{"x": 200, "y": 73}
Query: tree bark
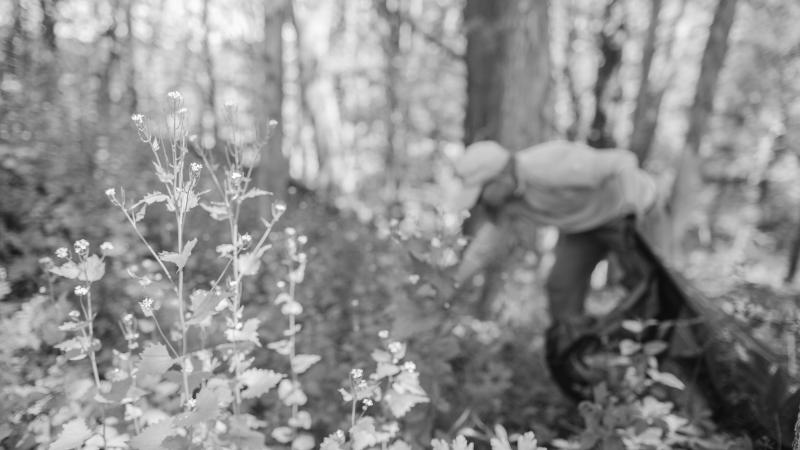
{"x": 687, "y": 180}
{"x": 508, "y": 85}
{"x": 606, "y": 88}
{"x": 211, "y": 80}
{"x": 391, "y": 51}
{"x": 313, "y": 25}
{"x": 273, "y": 170}
{"x": 643, "y": 112}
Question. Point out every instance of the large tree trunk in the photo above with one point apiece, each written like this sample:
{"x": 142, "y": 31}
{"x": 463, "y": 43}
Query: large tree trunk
{"x": 273, "y": 171}
{"x": 508, "y": 85}
{"x": 683, "y": 199}
{"x": 313, "y": 23}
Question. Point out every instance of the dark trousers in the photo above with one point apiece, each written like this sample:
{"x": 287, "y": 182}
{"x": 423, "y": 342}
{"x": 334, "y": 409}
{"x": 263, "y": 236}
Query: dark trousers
{"x": 577, "y": 255}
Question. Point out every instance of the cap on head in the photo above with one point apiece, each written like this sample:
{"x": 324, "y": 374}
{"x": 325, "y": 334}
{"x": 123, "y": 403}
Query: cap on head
{"x": 480, "y": 162}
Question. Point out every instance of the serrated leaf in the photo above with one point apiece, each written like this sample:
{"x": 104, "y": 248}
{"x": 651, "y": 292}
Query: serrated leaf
{"x": 408, "y": 382}
{"x": 301, "y": 363}
{"x": 204, "y": 304}
{"x": 253, "y": 193}
{"x": 303, "y": 441}
{"x": 249, "y": 263}
{"x": 155, "y": 360}
{"x": 67, "y": 270}
{"x": 385, "y": 370}
{"x": 364, "y": 434}
{"x": 206, "y": 408}
{"x": 333, "y": 441}
{"x": 399, "y": 445}
{"x": 217, "y": 211}
{"x": 139, "y": 214}
{"x": 153, "y": 436}
{"x": 179, "y": 259}
{"x": 381, "y": 356}
{"x": 92, "y": 269}
{"x": 401, "y": 403}
{"x": 291, "y": 393}
{"x": 259, "y": 382}
{"x": 248, "y": 332}
{"x": 527, "y": 442}
{"x": 283, "y": 347}
{"x": 73, "y": 435}
{"x": 119, "y": 390}
{"x": 439, "y": 444}
{"x": 154, "y": 197}
{"x": 460, "y": 443}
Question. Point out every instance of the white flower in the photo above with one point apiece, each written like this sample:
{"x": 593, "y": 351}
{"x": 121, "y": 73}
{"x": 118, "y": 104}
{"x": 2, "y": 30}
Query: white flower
{"x": 106, "y": 247}
{"x": 111, "y": 193}
{"x": 81, "y": 290}
{"x": 62, "y": 253}
{"x": 81, "y": 246}
{"x": 138, "y": 119}
{"x": 383, "y": 334}
{"x": 147, "y": 306}
{"x": 302, "y": 240}
{"x": 235, "y": 176}
{"x": 175, "y": 95}
{"x": 278, "y": 208}
{"x": 366, "y": 403}
{"x": 246, "y": 238}
{"x": 290, "y": 231}
{"x": 74, "y": 315}
{"x": 395, "y": 347}
{"x": 273, "y": 123}
{"x": 196, "y": 167}
{"x": 409, "y": 366}
{"x": 356, "y": 373}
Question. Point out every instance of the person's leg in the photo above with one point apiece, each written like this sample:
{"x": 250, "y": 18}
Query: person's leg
{"x": 576, "y": 256}
{"x": 619, "y": 237}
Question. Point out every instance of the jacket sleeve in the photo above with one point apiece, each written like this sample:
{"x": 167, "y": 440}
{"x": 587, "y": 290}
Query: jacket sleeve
{"x": 488, "y": 243}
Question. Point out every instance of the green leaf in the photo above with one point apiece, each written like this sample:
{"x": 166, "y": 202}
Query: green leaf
{"x": 73, "y": 435}
{"x": 155, "y": 360}
{"x": 666, "y": 378}
{"x": 92, "y": 269}
{"x": 206, "y": 408}
{"x": 204, "y": 304}
{"x": 301, "y": 363}
{"x": 399, "y": 445}
{"x": 154, "y": 197}
{"x": 291, "y": 393}
{"x": 248, "y": 332}
{"x": 67, "y": 270}
{"x": 460, "y": 443}
{"x": 334, "y": 441}
{"x": 217, "y": 211}
{"x": 401, "y": 403}
{"x": 364, "y": 434}
{"x": 179, "y": 259}
{"x": 653, "y": 348}
{"x": 282, "y": 434}
{"x": 252, "y": 193}
{"x": 385, "y": 370}
{"x": 139, "y": 215}
{"x": 258, "y": 382}
{"x": 153, "y": 436}
{"x": 527, "y": 442}
{"x": 250, "y": 262}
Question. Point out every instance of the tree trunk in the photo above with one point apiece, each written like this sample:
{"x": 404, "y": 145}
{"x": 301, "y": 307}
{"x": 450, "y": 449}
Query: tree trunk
{"x": 606, "y": 88}
{"x": 391, "y": 51}
{"x": 687, "y": 180}
{"x": 273, "y": 171}
{"x": 211, "y": 84}
{"x": 508, "y": 86}
{"x": 312, "y": 23}
{"x": 644, "y": 113}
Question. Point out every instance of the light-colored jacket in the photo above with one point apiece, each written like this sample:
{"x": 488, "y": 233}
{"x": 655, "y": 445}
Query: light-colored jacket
{"x": 575, "y": 188}
{"x": 568, "y": 185}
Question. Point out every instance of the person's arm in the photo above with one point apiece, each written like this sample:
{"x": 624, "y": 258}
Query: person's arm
{"x": 489, "y": 242}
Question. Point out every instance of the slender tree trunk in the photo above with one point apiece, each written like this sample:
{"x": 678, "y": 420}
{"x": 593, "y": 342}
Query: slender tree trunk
{"x": 133, "y": 93}
{"x": 643, "y": 113}
{"x": 273, "y": 171}
{"x": 211, "y": 80}
{"x": 687, "y": 181}
{"x": 391, "y": 50}
{"x": 573, "y": 129}
{"x": 606, "y": 88}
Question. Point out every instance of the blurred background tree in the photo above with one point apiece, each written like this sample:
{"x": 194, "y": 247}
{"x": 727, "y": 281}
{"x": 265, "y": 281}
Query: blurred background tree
{"x": 373, "y": 100}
